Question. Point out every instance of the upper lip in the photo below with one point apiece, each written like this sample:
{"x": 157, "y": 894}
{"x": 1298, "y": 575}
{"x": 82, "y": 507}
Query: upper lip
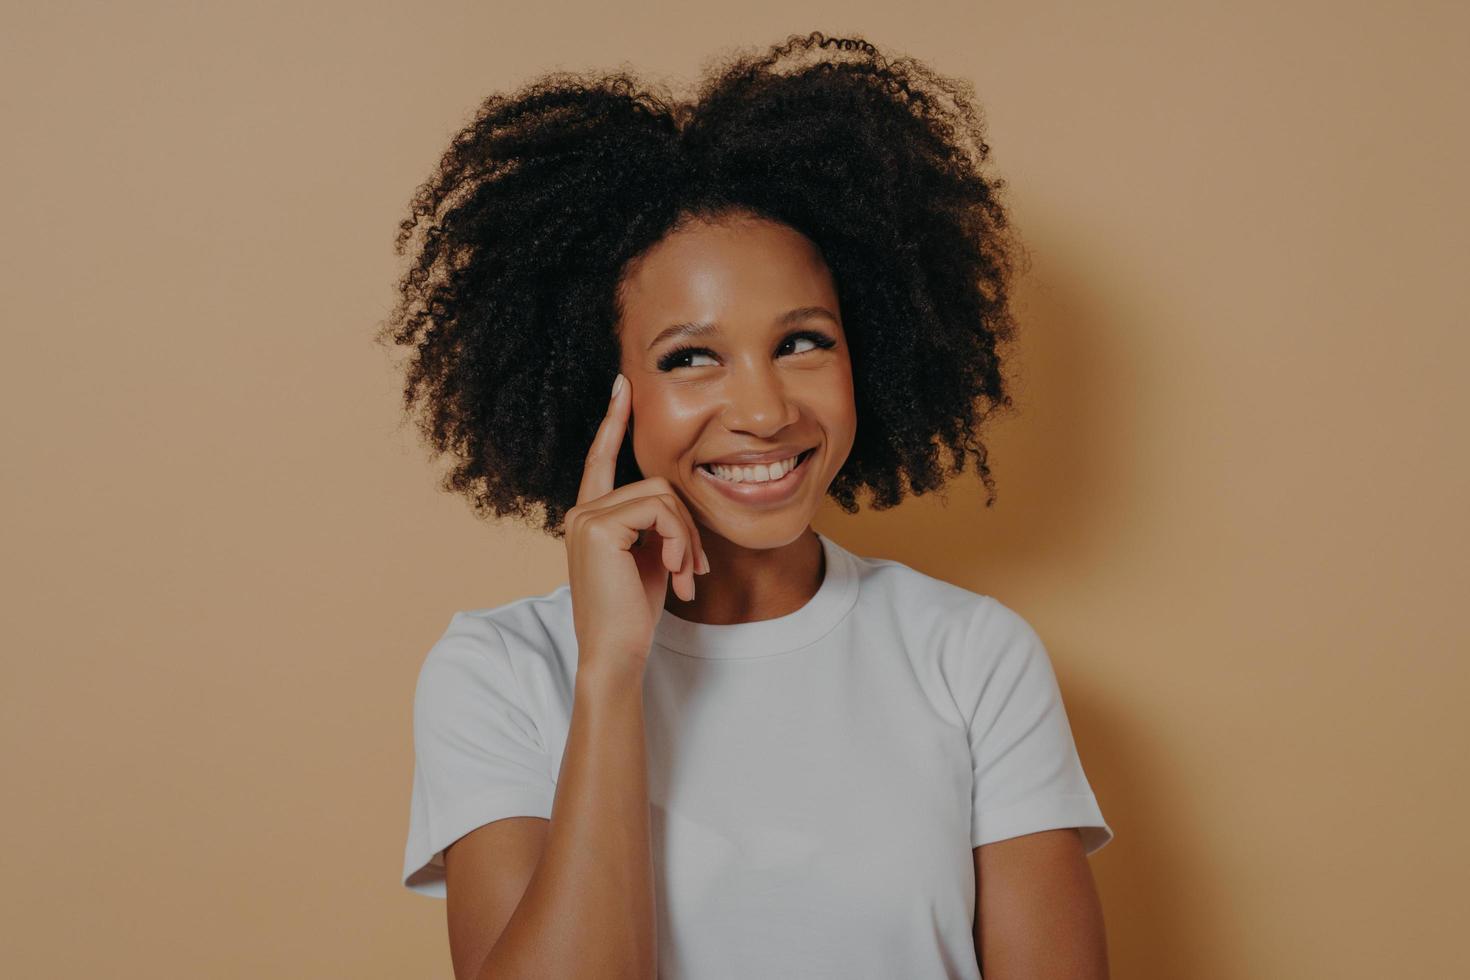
{"x": 753, "y": 459}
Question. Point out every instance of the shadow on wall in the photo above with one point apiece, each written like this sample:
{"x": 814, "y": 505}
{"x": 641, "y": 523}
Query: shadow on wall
{"x": 1067, "y": 461}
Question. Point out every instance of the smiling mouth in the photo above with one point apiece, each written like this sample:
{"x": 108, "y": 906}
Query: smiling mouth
{"x": 801, "y": 459}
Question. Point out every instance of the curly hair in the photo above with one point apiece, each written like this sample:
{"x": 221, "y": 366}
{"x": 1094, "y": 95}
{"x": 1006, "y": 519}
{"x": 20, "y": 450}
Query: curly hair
{"x": 522, "y": 236}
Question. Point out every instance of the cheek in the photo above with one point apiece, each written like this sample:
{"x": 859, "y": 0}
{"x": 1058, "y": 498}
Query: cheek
{"x": 660, "y": 423}
{"x": 681, "y": 409}
{"x": 837, "y": 405}
{"x": 839, "y": 417}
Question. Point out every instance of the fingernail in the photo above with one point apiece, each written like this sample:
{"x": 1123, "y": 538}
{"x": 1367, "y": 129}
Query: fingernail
{"x": 618, "y": 383}
{"x": 703, "y": 563}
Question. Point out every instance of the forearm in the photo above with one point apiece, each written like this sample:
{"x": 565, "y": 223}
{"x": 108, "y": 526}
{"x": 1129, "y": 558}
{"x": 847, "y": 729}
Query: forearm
{"x": 588, "y": 910}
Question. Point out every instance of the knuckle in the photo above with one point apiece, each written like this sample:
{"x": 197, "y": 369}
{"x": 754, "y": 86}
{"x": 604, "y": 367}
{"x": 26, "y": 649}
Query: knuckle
{"x": 595, "y": 529}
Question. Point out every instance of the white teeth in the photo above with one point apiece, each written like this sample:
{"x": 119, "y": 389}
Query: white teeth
{"x": 753, "y": 474}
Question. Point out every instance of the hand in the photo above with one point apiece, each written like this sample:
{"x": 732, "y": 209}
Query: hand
{"x": 622, "y": 546}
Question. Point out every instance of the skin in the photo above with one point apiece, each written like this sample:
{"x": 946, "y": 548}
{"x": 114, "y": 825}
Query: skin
{"x": 756, "y": 389}
{"x": 1037, "y": 911}
{"x": 753, "y": 387}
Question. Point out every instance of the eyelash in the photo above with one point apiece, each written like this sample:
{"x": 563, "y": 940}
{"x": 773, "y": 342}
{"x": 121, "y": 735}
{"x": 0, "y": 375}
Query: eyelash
{"x": 822, "y": 341}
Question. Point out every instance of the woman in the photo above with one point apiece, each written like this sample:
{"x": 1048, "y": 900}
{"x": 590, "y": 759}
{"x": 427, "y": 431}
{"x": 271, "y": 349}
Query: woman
{"x": 727, "y": 746}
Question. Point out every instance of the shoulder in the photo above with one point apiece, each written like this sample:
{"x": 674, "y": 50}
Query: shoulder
{"x": 500, "y": 644}
{"x": 925, "y": 601}
{"x": 971, "y": 634}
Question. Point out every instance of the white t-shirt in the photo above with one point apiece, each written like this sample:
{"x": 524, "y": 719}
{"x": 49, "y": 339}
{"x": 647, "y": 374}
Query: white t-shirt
{"x": 816, "y": 781}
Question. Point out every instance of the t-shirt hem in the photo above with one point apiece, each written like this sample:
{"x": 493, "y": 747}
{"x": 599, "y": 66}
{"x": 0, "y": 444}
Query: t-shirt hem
{"x": 1078, "y": 810}
{"x": 423, "y": 870}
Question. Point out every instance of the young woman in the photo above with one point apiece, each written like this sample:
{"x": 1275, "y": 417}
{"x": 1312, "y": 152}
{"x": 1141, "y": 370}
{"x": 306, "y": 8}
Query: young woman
{"x": 728, "y": 747}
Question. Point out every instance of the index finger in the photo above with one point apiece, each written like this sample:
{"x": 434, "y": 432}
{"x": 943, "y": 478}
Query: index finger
{"x": 600, "y": 467}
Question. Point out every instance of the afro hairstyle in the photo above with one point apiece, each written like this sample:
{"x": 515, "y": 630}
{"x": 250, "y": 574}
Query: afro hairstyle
{"x": 519, "y": 241}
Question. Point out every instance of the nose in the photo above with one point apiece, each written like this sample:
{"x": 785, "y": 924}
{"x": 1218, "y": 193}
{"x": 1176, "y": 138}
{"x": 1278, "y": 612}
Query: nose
{"x": 757, "y": 401}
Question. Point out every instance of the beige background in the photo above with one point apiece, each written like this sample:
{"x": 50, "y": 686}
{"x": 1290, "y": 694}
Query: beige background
{"x": 1232, "y": 501}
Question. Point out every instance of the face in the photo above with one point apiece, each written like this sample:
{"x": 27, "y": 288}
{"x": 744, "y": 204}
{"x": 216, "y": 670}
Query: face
{"x": 758, "y": 363}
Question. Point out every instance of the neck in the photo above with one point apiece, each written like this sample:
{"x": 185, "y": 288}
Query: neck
{"x": 746, "y": 585}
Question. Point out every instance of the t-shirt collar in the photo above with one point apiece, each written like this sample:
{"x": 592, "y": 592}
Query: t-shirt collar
{"x": 834, "y": 598}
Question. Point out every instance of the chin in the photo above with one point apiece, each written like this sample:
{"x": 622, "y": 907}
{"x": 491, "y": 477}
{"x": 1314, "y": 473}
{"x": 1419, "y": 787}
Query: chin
{"x": 759, "y": 532}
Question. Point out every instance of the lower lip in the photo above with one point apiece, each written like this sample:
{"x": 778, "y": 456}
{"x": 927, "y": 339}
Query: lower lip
{"x": 772, "y": 491}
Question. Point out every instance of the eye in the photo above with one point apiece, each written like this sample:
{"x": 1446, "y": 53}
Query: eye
{"x": 819, "y": 341}
{"x": 679, "y": 356}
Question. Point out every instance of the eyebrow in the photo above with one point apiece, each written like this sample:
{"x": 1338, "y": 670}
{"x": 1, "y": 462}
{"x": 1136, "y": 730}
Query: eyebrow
{"x": 700, "y": 328}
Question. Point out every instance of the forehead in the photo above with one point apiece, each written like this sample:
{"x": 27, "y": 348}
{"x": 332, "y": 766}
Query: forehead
{"x": 737, "y": 271}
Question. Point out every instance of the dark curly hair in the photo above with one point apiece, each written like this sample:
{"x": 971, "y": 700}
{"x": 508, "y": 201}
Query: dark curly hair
{"x": 523, "y": 234}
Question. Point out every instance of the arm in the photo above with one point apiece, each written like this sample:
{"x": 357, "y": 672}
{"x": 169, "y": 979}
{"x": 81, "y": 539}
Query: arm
{"x": 1037, "y": 911}
{"x": 588, "y": 910}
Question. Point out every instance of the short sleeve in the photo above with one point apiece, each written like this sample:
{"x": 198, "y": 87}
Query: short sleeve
{"x": 1028, "y": 776}
{"x": 478, "y": 756}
